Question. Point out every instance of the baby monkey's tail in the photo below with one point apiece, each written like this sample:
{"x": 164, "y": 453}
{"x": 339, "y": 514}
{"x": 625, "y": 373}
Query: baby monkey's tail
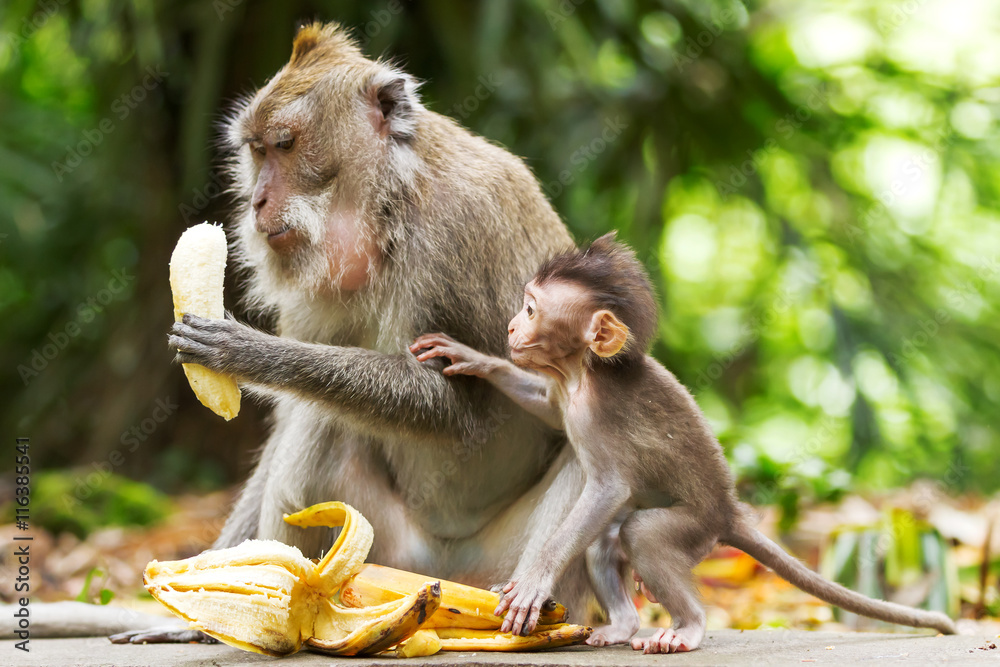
{"x": 752, "y": 541}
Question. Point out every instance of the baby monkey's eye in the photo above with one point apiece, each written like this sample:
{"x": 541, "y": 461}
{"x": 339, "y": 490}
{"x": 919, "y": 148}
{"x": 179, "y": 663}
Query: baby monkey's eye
{"x": 285, "y": 144}
{"x": 531, "y": 311}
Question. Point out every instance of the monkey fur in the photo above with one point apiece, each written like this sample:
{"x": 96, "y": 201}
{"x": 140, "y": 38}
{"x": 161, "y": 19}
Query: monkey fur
{"x": 364, "y": 219}
{"x": 654, "y": 470}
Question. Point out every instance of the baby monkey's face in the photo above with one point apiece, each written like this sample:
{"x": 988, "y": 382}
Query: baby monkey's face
{"x": 550, "y": 325}
{"x": 558, "y": 324}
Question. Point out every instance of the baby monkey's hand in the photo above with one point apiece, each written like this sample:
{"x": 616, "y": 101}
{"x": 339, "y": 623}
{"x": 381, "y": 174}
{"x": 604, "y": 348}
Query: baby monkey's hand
{"x": 464, "y": 360}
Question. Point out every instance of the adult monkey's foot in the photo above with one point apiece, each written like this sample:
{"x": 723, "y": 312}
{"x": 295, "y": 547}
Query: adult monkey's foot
{"x": 167, "y": 634}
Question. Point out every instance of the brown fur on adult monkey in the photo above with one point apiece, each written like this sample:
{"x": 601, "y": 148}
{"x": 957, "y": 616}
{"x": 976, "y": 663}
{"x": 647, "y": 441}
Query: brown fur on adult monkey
{"x": 647, "y": 451}
{"x": 365, "y": 219}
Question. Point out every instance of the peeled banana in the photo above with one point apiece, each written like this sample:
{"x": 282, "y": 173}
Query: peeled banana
{"x": 266, "y": 597}
{"x": 197, "y": 269}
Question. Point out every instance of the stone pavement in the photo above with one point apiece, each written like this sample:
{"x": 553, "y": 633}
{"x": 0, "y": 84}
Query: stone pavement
{"x": 721, "y": 647}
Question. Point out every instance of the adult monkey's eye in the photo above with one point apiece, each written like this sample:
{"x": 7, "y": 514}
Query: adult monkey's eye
{"x": 257, "y": 146}
{"x": 285, "y": 144}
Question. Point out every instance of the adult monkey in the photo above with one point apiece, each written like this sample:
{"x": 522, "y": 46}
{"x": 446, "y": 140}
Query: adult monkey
{"x": 366, "y": 220}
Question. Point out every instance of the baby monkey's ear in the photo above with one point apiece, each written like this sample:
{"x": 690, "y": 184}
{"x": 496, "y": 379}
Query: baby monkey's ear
{"x": 607, "y": 334}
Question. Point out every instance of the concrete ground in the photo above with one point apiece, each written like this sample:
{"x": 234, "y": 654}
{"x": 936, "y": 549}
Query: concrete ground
{"x": 721, "y": 647}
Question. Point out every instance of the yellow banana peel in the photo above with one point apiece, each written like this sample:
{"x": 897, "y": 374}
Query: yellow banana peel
{"x": 266, "y": 597}
{"x": 349, "y": 551}
{"x": 461, "y": 606}
{"x": 544, "y": 636}
{"x": 421, "y": 643}
{"x": 371, "y": 630}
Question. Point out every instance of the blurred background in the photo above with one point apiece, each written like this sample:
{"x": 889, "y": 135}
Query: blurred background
{"x": 813, "y": 186}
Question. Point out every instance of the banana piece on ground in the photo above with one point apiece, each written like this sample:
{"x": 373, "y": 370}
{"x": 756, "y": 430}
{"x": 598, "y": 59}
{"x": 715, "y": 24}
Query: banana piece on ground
{"x": 426, "y": 642}
{"x": 266, "y": 597}
{"x": 464, "y": 621}
{"x": 421, "y": 643}
{"x": 461, "y": 606}
{"x": 197, "y": 270}
{"x": 544, "y": 636}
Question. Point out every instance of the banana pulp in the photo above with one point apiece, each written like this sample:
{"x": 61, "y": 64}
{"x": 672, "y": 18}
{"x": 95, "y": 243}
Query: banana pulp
{"x": 266, "y": 597}
{"x": 197, "y": 270}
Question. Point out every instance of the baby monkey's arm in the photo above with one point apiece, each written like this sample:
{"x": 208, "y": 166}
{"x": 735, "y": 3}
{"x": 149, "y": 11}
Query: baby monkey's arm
{"x": 529, "y": 390}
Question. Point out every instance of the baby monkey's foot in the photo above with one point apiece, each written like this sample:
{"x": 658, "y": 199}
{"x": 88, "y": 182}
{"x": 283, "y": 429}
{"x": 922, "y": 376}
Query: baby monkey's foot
{"x": 606, "y": 635}
{"x": 522, "y": 602}
{"x": 670, "y": 640}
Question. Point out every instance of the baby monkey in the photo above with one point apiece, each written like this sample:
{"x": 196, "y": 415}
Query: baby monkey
{"x": 578, "y": 348}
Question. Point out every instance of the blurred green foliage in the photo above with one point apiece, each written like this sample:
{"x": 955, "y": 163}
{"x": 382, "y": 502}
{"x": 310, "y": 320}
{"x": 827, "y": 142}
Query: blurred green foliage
{"x": 901, "y": 558}
{"x": 813, "y": 186}
{"x": 80, "y": 501}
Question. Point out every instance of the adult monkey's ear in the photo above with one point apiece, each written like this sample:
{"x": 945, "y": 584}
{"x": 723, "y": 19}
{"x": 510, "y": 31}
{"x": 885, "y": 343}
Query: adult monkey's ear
{"x": 392, "y": 104}
{"x": 607, "y": 334}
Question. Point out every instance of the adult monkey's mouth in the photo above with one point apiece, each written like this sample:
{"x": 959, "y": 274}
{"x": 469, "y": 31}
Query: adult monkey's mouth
{"x": 282, "y": 239}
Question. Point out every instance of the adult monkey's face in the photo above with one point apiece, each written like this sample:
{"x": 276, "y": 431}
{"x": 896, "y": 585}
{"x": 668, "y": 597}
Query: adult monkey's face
{"x": 317, "y": 153}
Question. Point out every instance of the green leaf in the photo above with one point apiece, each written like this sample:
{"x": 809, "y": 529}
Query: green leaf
{"x": 84, "y": 595}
